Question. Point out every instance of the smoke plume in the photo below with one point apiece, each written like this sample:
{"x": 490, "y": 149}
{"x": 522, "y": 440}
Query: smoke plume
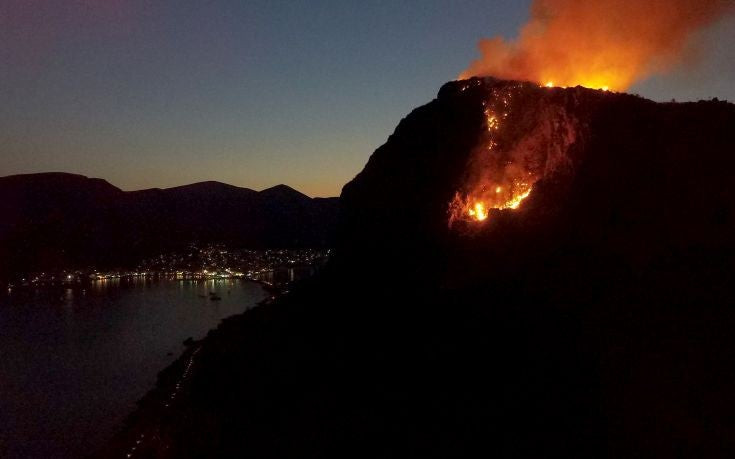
{"x": 598, "y": 44}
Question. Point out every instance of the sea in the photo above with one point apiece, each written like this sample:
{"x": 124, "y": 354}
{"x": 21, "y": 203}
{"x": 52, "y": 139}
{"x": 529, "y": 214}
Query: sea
{"x": 74, "y": 361}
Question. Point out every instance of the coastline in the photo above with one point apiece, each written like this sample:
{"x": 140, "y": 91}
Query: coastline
{"x": 140, "y": 434}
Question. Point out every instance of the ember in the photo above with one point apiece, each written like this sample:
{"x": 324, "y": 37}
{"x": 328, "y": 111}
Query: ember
{"x": 478, "y": 212}
{"x": 525, "y": 138}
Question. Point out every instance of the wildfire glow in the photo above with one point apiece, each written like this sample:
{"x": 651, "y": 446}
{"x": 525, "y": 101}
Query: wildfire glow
{"x": 602, "y": 44}
{"x": 526, "y": 137}
{"x": 478, "y": 212}
{"x": 511, "y": 185}
{"x": 517, "y": 199}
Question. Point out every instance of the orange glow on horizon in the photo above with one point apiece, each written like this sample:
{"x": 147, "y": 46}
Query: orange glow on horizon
{"x": 605, "y": 45}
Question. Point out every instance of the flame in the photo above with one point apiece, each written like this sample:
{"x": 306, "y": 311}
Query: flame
{"x": 478, "y": 212}
{"x": 519, "y": 146}
{"x": 510, "y": 186}
{"x": 517, "y": 199}
{"x": 602, "y": 44}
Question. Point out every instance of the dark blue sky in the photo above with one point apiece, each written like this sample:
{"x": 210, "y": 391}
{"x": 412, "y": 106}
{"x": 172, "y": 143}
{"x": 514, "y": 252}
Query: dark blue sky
{"x": 252, "y": 93}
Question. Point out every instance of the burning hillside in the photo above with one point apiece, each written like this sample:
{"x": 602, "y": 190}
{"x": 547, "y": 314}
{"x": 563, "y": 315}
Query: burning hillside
{"x": 489, "y": 155}
{"x": 528, "y": 132}
{"x": 599, "y": 45}
{"x": 593, "y": 280}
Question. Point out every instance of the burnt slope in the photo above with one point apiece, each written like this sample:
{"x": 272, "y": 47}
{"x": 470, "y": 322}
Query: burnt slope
{"x": 631, "y": 247}
{"x": 593, "y": 321}
{"x": 56, "y": 220}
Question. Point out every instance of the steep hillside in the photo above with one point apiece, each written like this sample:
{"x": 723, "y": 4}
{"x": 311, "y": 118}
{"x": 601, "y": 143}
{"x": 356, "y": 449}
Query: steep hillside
{"x": 520, "y": 272}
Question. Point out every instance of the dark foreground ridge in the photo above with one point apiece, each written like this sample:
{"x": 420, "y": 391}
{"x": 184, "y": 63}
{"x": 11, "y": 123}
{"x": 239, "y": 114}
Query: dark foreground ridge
{"x": 57, "y": 221}
{"x": 593, "y": 321}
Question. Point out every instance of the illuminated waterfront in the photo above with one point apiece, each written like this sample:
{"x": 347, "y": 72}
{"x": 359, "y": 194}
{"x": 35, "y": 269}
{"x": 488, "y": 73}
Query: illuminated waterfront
{"x": 195, "y": 263}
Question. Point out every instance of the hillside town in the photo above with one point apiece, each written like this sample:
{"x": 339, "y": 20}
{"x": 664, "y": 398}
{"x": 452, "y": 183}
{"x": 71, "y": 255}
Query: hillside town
{"x": 198, "y": 262}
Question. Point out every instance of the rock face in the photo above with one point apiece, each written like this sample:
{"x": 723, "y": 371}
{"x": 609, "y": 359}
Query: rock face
{"x": 57, "y": 220}
{"x": 637, "y": 180}
{"x": 593, "y": 320}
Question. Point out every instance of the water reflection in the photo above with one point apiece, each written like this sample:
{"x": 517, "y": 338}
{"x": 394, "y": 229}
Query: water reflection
{"x": 284, "y": 276}
{"x": 73, "y": 362}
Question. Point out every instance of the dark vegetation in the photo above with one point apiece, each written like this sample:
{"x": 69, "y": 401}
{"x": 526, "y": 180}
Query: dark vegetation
{"x": 594, "y": 321}
{"x": 64, "y": 221}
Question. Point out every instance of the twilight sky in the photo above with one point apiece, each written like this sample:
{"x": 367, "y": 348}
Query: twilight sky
{"x": 252, "y": 93}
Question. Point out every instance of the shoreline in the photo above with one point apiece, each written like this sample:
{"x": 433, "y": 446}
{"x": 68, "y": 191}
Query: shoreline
{"x": 84, "y": 286}
{"x": 139, "y": 434}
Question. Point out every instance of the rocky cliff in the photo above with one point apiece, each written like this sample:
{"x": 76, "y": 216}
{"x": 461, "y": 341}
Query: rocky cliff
{"x": 520, "y": 272}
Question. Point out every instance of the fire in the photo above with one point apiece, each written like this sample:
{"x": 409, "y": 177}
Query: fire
{"x": 526, "y": 137}
{"x": 509, "y": 185}
{"x": 478, "y": 212}
{"x": 605, "y": 44}
{"x": 516, "y": 200}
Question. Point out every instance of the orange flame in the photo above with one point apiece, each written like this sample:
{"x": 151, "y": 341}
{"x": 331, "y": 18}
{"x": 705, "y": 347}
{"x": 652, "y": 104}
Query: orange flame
{"x": 508, "y": 186}
{"x": 478, "y": 211}
{"x": 602, "y": 44}
{"x": 518, "y": 148}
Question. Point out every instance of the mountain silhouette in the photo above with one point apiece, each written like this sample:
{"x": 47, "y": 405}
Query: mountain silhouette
{"x": 594, "y": 320}
{"x": 56, "y": 220}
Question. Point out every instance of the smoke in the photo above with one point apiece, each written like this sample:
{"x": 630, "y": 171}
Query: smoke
{"x": 598, "y": 44}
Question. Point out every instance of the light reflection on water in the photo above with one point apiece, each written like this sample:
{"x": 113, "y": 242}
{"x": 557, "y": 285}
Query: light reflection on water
{"x": 73, "y": 362}
{"x": 287, "y": 275}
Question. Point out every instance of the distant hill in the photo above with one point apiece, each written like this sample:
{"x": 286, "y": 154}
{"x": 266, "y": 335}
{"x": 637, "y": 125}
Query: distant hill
{"x": 54, "y": 220}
